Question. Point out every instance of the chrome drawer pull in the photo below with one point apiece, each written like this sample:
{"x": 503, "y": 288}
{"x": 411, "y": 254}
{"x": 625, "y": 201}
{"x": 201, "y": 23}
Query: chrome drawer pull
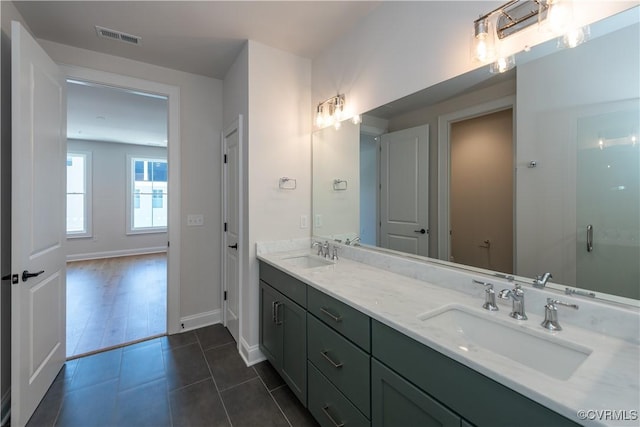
{"x": 331, "y": 315}
{"x": 325, "y": 409}
{"x": 278, "y": 321}
{"x": 273, "y": 311}
{"x": 326, "y": 356}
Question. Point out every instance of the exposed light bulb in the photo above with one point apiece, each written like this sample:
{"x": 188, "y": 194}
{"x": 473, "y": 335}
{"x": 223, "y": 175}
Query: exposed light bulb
{"x": 601, "y": 144}
{"x": 337, "y": 125}
{"x": 574, "y": 37}
{"x": 356, "y": 119}
{"x": 483, "y": 41}
{"x": 502, "y": 64}
{"x": 559, "y": 15}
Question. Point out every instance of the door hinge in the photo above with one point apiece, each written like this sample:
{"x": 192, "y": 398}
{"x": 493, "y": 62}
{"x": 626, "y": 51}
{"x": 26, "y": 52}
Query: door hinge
{"x": 225, "y": 226}
{"x": 225, "y": 158}
{"x": 225, "y": 295}
{"x": 168, "y": 244}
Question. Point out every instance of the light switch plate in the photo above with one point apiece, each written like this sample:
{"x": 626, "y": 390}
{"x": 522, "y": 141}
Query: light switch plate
{"x": 195, "y": 220}
{"x": 304, "y": 221}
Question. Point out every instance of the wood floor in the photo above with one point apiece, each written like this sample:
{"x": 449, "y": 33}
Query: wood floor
{"x": 114, "y": 301}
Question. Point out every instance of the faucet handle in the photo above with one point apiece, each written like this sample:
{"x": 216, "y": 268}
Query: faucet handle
{"x": 553, "y": 302}
{"x": 489, "y": 295}
{"x": 551, "y": 314}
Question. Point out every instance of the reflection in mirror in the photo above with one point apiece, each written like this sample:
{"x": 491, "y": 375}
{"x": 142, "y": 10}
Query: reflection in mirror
{"x": 533, "y": 171}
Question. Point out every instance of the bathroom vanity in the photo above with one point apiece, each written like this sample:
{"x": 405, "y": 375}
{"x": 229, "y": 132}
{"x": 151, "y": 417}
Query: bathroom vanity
{"x": 359, "y": 343}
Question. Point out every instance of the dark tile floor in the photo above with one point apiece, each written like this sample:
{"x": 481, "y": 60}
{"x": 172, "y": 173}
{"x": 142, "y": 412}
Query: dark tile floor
{"x": 195, "y": 378}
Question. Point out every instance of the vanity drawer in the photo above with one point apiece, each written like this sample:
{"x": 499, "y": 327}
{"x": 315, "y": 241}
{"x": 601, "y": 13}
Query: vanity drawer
{"x": 290, "y": 287}
{"x": 328, "y": 406}
{"x": 441, "y": 377}
{"x": 348, "y": 321}
{"x": 344, "y": 364}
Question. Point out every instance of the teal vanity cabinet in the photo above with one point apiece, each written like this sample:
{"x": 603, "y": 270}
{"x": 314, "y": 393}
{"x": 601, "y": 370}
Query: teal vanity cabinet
{"x": 413, "y": 377}
{"x": 338, "y": 351}
{"x": 351, "y": 370}
{"x": 283, "y": 327}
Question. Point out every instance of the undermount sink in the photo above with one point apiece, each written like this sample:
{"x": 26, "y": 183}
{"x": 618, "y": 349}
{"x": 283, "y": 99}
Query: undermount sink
{"x": 307, "y": 261}
{"x": 469, "y": 332}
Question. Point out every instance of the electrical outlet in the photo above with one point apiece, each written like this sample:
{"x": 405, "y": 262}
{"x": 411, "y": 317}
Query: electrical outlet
{"x": 304, "y": 221}
{"x": 195, "y": 220}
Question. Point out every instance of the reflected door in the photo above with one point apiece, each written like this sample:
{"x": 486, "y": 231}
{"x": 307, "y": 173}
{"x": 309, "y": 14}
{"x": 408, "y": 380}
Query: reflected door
{"x": 608, "y": 200}
{"x": 404, "y": 191}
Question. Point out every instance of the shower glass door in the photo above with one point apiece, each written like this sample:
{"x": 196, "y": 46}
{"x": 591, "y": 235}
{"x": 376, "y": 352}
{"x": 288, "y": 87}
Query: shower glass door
{"x": 608, "y": 199}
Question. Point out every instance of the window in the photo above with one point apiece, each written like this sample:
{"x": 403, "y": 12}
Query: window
{"x": 78, "y": 196}
{"x": 147, "y": 195}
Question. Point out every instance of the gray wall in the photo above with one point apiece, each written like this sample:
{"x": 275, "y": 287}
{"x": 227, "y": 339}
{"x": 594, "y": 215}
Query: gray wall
{"x": 108, "y": 170}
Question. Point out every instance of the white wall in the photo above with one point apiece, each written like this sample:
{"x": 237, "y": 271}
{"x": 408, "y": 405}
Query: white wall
{"x": 279, "y": 144}
{"x": 548, "y": 107}
{"x": 403, "y": 47}
{"x": 200, "y": 127}
{"x": 109, "y": 192}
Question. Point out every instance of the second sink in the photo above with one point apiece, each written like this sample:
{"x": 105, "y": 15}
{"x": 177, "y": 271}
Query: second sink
{"x": 468, "y": 331}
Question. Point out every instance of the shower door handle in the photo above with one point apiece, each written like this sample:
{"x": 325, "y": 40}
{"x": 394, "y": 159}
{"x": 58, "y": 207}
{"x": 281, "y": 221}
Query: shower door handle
{"x": 589, "y": 238}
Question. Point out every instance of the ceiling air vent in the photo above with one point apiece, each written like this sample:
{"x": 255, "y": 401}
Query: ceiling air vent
{"x": 118, "y": 35}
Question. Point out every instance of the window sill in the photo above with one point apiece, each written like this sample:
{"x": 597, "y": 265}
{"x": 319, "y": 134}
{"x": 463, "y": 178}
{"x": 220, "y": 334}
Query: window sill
{"x": 146, "y": 231}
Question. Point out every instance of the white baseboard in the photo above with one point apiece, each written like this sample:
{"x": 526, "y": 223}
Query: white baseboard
{"x": 114, "y": 254}
{"x": 201, "y": 319}
{"x": 251, "y": 354}
{"x": 5, "y": 408}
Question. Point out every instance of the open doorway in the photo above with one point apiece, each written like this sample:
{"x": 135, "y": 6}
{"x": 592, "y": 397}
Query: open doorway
{"x": 117, "y": 216}
{"x": 481, "y": 191}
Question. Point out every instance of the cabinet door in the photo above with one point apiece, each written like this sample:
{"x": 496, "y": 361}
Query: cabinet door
{"x": 270, "y": 341}
{"x": 294, "y": 347}
{"x": 397, "y": 403}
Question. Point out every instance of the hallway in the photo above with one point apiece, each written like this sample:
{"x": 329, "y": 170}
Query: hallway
{"x": 113, "y": 301}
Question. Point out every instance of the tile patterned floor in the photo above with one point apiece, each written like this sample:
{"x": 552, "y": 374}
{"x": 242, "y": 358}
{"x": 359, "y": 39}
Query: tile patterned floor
{"x": 195, "y": 378}
{"x": 114, "y": 301}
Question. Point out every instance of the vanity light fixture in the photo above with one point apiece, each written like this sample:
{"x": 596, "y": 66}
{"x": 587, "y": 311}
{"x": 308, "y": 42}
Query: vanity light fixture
{"x": 329, "y": 112}
{"x": 516, "y": 15}
{"x": 332, "y": 111}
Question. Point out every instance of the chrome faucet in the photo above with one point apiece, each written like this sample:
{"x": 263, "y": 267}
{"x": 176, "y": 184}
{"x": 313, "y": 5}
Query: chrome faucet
{"x": 334, "y": 253}
{"x": 517, "y": 295}
{"x": 352, "y": 242}
{"x": 325, "y": 250}
{"x": 541, "y": 281}
{"x": 489, "y": 296}
{"x": 319, "y": 245}
{"x": 551, "y": 314}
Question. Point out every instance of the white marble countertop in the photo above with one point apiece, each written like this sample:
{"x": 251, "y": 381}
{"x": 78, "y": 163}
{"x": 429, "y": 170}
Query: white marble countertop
{"x": 608, "y": 380}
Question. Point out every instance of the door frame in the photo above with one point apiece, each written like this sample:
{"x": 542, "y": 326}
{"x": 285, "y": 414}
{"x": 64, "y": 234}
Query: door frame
{"x": 444, "y": 165}
{"x": 173, "y": 158}
{"x": 235, "y": 126}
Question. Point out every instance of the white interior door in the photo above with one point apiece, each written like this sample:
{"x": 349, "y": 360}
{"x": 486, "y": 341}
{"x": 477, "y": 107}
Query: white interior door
{"x": 38, "y": 224}
{"x": 404, "y": 191}
{"x": 232, "y": 213}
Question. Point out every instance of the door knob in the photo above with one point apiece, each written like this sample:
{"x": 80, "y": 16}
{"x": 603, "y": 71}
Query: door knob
{"x": 234, "y": 246}
{"x": 421, "y": 231}
{"x": 26, "y": 275}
